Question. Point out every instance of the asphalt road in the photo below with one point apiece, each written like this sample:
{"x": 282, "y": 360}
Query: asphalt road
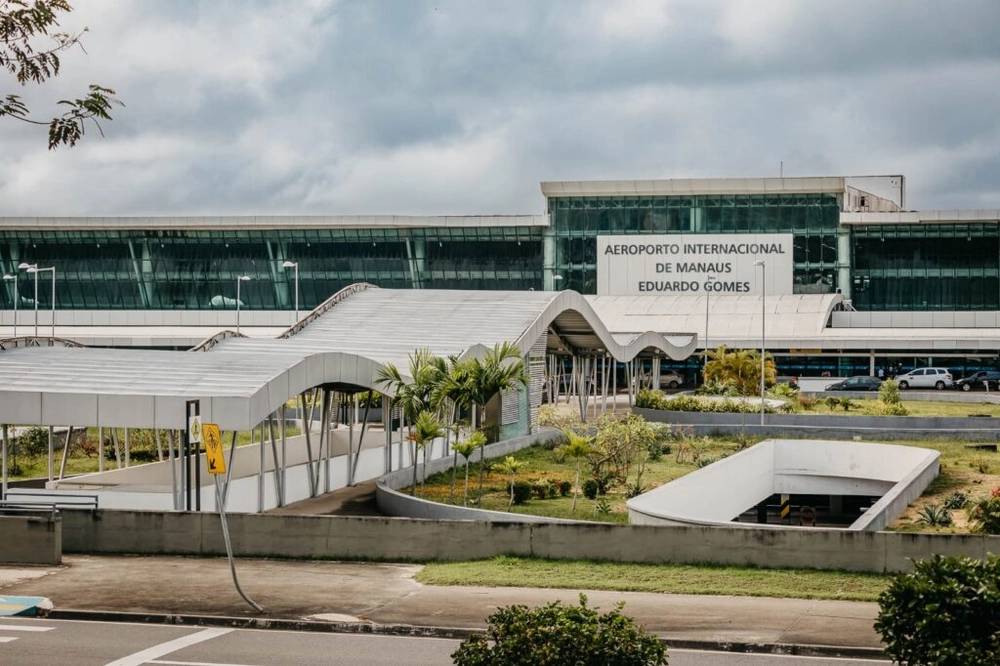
{"x": 29, "y": 642}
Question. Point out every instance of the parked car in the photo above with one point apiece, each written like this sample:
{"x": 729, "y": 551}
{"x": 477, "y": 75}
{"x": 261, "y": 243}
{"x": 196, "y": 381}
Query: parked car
{"x": 671, "y": 379}
{"x": 939, "y": 378}
{"x": 984, "y": 379}
{"x": 856, "y": 384}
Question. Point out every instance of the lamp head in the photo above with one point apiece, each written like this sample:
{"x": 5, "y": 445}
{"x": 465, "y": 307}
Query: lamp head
{"x": 32, "y": 269}
{"x": 244, "y": 278}
{"x": 759, "y": 262}
{"x": 25, "y": 265}
{"x": 9, "y": 277}
{"x": 290, "y": 264}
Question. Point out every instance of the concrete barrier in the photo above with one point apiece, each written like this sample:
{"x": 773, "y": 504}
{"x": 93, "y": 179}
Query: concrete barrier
{"x": 403, "y": 539}
{"x": 391, "y": 502}
{"x": 832, "y": 427}
{"x": 31, "y": 538}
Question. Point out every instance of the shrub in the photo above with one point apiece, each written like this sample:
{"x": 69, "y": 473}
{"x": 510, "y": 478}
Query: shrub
{"x": 34, "y": 441}
{"x": 947, "y": 611}
{"x": 956, "y": 500}
{"x": 705, "y": 462}
{"x": 649, "y": 399}
{"x": 522, "y": 491}
{"x": 565, "y": 487}
{"x": 558, "y": 635}
{"x": 981, "y": 465}
{"x": 540, "y": 488}
{"x": 719, "y": 387}
{"x": 984, "y": 514}
{"x": 934, "y": 516}
{"x": 634, "y": 489}
{"x": 783, "y": 391}
{"x": 590, "y": 489}
{"x": 602, "y": 507}
{"x": 889, "y": 392}
{"x": 880, "y": 408}
{"x": 807, "y": 401}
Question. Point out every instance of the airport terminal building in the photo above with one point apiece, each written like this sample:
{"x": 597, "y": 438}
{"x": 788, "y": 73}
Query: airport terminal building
{"x": 835, "y": 273}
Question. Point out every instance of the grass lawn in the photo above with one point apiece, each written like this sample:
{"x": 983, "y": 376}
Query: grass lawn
{"x": 915, "y": 407}
{"x": 508, "y": 571}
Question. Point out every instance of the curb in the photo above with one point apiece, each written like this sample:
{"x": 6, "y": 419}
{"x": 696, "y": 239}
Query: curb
{"x": 368, "y": 627}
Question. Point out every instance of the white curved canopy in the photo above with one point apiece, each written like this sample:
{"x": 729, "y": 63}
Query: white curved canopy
{"x": 343, "y": 343}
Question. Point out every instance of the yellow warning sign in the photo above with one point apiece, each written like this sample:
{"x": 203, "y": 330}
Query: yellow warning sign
{"x": 213, "y": 449}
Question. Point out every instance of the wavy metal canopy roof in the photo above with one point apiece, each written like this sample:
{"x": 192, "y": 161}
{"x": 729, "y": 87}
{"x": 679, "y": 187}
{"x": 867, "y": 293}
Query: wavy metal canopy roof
{"x": 343, "y": 343}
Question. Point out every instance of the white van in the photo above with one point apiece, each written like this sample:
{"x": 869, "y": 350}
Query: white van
{"x": 939, "y": 378}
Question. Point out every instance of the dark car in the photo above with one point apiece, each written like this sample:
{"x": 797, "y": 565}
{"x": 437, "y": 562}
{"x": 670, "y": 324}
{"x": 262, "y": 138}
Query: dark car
{"x": 984, "y": 379}
{"x": 856, "y": 384}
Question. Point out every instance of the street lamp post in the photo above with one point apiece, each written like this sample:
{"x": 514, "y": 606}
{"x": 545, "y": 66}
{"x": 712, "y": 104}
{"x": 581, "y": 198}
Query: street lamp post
{"x": 32, "y": 268}
{"x": 711, "y": 278}
{"x": 294, "y": 264}
{"x": 763, "y": 341}
{"x": 17, "y": 297}
{"x": 36, "y": 270}
{"x": 239, "y": 281}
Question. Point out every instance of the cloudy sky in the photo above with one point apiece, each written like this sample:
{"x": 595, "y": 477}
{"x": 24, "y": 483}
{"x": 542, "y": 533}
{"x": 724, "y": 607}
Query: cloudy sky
{"x": 464, "y": 106}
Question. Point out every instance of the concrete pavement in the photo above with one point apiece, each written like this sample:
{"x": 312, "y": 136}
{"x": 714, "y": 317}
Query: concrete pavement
{"x": 386, "y": 598}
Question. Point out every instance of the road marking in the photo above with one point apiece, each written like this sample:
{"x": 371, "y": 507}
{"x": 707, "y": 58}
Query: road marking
{"x": 147, "y": 655}
{"x": 192, "y": 663}
{"x": 23, "y": 627}
{"x": 7, "y": 639}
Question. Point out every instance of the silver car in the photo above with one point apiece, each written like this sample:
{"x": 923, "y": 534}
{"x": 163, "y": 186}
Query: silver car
{"x": 938, "y": 378}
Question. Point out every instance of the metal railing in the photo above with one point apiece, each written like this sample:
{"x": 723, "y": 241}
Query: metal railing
{"x": 28, "y": 500}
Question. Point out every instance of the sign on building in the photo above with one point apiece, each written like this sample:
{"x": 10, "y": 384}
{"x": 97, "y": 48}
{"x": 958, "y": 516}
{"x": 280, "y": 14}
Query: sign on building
{"x": 694, "y": 264}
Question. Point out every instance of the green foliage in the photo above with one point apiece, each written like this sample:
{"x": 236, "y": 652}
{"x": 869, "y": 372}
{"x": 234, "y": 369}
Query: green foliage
{"x": 34, "y": 441}
{"x": 558, "y": 635}
{"x": 521, "y": 491}
{"x": 984, "y": 514}
{"x": 889, "y": 392}
{"x": 590, "y": 489}
{"x": 715, "y": 386}
{"x": 956, "y": 500}
{"x": 602, "y": 506}
{"x": 882, "y": 408}
{"x": 946, "y": 612}
{"x": 833, "y": 402}
{"x": 634, "y": 489}
{"x": 30, "y": 46}
{"x": 647, "y": 399}
{"x": 741, "y": 367}
{"x": 565, "y": 487}
{"x": 783, "y": 391}
{"x": 934, "y": 515}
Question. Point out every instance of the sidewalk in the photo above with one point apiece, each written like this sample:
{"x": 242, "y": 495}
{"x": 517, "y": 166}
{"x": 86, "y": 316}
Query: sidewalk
{"x": 376, "y": 595}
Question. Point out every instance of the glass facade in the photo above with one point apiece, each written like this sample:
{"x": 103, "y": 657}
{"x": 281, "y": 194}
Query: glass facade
{"x": 926, "y": 267}
{"x": 813, "y": 219}
{"x": 198, "y": 269}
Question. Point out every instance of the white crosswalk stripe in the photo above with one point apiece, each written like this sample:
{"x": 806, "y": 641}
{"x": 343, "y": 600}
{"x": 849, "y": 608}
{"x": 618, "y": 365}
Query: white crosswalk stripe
{"x": 26, "y": 628}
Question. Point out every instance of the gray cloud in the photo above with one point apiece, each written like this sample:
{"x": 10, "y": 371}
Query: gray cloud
{"x": 415, "y": 106}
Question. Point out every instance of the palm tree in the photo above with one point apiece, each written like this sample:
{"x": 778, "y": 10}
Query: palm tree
{"x": 509, "y": 466}
{"x": 576, "y": 447}
{"x": 466, "y": 449}
{"x": 416, "y": 394}
{"x": 426, "y": 429}
{"x": 739, "y": 366}
{"x": 501, "y": 369}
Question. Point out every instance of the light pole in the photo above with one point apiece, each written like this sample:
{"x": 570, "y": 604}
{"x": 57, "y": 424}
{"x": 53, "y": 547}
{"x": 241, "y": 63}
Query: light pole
{"x": 17, "y": 297}
{"x": 763, "y": 341}
{"x": 239, "y": 281}
{"x": 294, "y": 264}
{"x": 36, "y": 270}
{"x": 32, "y": 268}
{"x": 711, "y": 278}
{"x": 557, "y": 279}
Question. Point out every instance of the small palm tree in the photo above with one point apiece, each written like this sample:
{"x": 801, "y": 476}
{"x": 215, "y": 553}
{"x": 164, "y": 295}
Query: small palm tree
{"x": 466, "y": 449}
{"x": 577, "y": 447}
{"x": 509, "y": 466}
{"x": 426, "y": 429}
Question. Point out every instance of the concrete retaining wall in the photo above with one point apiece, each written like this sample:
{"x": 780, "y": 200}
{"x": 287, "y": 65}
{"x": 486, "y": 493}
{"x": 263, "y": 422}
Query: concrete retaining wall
{"x": 391, "y": 502}
{"x": 834, "y": 427}
{"x": 400, "y": 539}
{"x": 31, "y": 539}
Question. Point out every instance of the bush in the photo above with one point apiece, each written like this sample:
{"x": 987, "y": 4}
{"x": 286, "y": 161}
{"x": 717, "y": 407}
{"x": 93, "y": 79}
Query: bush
{"x": 880, "y": 408}
{"x": 889, "y": 392}
{"x": 522, "y": 491}
{"x": 984, "y": 514}
{"x": 957, "y": 500}
{"x": 947, "y": 611}
{"x": 649, "y": 399}
{"x": 590, "y": 488}
{"x": 934, "y": 516}
{"x": 34, "y": 441}
{"x": 558, "y": 635}
{"x": 565, "y": 487}
{"x": 807, "y": 401}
